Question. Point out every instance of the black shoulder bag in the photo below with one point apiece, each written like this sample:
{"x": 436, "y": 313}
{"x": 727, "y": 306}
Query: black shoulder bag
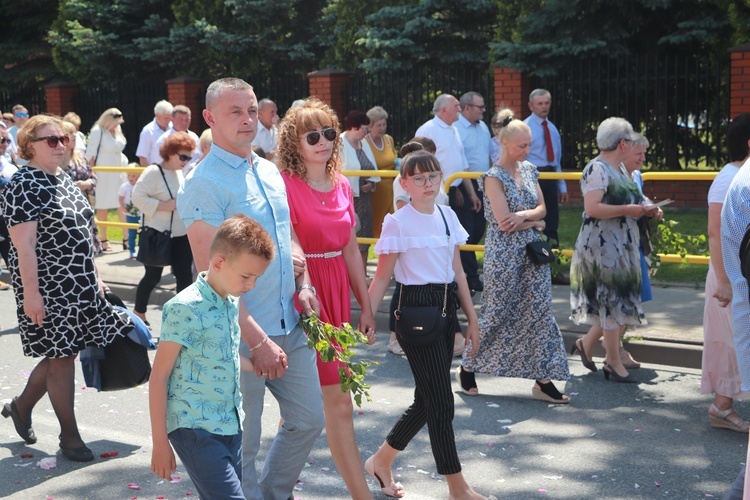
{"x": 155, "y": 247}
{"x": 424, "y": 325}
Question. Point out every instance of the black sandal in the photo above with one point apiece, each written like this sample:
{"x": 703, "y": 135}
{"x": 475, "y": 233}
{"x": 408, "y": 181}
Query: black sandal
{"x": 549, "y": 393}
{"x": 466, "y": 381}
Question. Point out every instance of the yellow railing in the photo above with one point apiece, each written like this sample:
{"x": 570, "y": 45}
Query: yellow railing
{"x": 568, "y": 176}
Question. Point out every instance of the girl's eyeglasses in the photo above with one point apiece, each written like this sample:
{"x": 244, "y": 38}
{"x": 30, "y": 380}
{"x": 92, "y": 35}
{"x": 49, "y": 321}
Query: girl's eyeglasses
{"x": 53, "y": 140}
{"x": 421, "y": 180}
{"x": 314, "y": 137}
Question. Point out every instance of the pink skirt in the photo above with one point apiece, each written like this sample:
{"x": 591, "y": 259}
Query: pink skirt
{"x": 720, "y": 374}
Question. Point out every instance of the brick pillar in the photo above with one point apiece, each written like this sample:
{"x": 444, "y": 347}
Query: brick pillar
{"x": 739, "y": 90}
{"x": 512, "y": 90}
{"x": 190, "y": 92}
{"x": 332, "y": 87}
{"x": 60, "y": 97}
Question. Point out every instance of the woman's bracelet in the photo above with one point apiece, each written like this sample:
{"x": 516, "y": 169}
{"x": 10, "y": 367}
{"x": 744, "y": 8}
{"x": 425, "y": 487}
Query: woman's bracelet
{"x": 260, "y": 344}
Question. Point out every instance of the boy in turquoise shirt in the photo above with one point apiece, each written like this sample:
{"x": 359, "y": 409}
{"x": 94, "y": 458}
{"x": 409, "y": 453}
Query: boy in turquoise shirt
{"x": 194, "y": 391}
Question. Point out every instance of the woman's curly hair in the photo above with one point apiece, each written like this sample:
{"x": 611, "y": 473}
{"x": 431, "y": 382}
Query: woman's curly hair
{"x": 313, "y": 115}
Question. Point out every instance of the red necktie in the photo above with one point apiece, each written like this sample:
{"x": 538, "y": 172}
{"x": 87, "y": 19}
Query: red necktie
{"x": 548, "y": 142}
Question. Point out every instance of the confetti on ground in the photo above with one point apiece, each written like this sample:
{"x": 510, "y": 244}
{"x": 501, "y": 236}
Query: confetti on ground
{"x": 26, "y": 455}
{"x": 573, "y": 394}
{"x": 592, "y": 434}
{"x": 493, "y": 405}
{"x": 548, "y": 457}
{"x": 47, "y": 463}
{"x": 637, "y": 485}
{"x": 325, "y": 469}
{"x": 109, "y": 454}
{"x": 482, "y": 454}
{"x": 542, "y": 490}
{"x": 133, "y": 486}
{"x": 658, "y": 485}
{"x": 677, "y": 430}
{"x": 23, "y": 465}
{"x": 410, "y": 466}
{"x": 420, "y": 471}
{"x": 505, "y": 421}
{"x": 436, "y": 476}
{"x": 554, "y": 478}
{"x": 638, "y": 430}
{"x": 176, "y": 480}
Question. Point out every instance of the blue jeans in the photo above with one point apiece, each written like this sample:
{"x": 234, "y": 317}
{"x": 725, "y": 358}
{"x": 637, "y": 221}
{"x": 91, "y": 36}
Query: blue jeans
{"x": 132, "y": 233}
{"x": 301, "y": 406}
{"x": 213, "y": 462}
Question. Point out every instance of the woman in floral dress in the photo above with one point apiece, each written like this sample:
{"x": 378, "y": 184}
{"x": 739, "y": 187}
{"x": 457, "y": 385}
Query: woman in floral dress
{"x": 605, "y": 273}
{"x": 519, "y": 336}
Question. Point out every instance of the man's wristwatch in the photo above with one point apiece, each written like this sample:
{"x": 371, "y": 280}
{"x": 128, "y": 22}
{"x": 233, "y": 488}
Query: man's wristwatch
{"x": 307, "y": 287}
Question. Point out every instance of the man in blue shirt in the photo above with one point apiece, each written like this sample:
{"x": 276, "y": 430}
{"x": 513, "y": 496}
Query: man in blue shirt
{"x": 477, "y": 143}
{"x": 546, "y": 152}
{"x": 223, "y": 184}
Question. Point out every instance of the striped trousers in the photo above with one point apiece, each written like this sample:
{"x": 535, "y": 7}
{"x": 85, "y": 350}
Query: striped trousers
{"x": 433, "y": 395}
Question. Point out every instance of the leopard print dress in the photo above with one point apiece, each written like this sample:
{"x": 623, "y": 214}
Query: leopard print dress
{"x": 76, "y": 316}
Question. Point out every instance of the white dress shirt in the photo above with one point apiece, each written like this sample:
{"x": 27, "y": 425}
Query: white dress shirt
{"x": 149, "y": 135}
{"x": 267, "y": 139}
{"x": 450, "y": 149}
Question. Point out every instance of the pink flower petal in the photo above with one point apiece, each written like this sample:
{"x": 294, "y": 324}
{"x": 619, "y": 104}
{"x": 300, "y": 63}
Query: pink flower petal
{"x": 133, "y": 486}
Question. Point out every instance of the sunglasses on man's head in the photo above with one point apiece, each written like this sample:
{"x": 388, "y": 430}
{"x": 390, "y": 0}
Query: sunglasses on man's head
{"x": 116, "y": 115}
{"x": 314, "y": 137}
{"x": 5, "y": 141}
{"x": 22, "y": 115}
{"x": 53, "y": 140}
{"x": 184, "y": 157}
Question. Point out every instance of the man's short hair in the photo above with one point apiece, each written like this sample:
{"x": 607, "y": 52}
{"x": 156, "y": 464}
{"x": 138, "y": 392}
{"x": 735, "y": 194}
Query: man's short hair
{"x": 216, "y": 88}
{"x": 240, "y": 233}
{"x": 738, "y": 133}
{"x": 539, "y": 93}
{"x": 163, "y": 107}
{"x": 181, "y": 108}
{"x": 263, "y": 103}
{"x": 18, "y": 107}
{"x": 441, "y": 102}
{"x": 468, "y": 98}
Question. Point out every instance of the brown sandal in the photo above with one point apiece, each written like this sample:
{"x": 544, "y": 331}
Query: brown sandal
{"x": 106, "y": 247}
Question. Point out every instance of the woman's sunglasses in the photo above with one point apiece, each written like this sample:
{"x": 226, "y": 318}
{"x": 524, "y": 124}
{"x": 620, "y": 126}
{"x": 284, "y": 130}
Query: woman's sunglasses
{"x": 184, "y": 157}
{"x": 5, "y": 141}
{"x": 116, "y": 115}
{"x": 53, "y": 140}
{"x": 314, "y": 137}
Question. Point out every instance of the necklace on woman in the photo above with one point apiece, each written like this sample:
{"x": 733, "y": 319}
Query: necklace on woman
{"x": 319, "y": 194}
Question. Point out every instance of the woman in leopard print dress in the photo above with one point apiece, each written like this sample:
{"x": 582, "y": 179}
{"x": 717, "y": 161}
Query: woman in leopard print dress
{"x": 60, "y": 305}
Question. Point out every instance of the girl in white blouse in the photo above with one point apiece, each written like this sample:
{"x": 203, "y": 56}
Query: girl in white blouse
{"x": 419, "y": 244}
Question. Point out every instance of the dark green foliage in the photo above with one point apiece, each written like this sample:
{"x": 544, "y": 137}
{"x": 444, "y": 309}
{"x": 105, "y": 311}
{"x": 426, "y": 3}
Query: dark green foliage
{"x": 435, "y": 32}
{"x": 550, "y": 35}
{"x": 25, "y": 55}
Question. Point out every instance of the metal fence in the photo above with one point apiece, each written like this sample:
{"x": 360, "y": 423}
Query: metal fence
{"x": 681, "y": 104}
{"x": 281, "y": 89}
{"x": 135, "y": 101}
{"x": 407, "y": 95}
{"x": 33, "y": 98}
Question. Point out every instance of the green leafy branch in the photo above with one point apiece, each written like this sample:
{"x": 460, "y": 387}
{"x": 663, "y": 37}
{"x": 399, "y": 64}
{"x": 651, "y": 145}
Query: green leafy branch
{"x": 336, "y": 344}
{"x": 665, "y": 239}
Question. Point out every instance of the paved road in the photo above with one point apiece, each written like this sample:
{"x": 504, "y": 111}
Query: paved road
{"x": 614, "y": 441}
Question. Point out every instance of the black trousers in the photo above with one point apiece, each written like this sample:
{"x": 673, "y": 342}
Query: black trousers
{"x": 475, "y": 224}
{"x": 433, "y": 396}
{"x": 182, "y": 262}
{"x": 552, "y": 219}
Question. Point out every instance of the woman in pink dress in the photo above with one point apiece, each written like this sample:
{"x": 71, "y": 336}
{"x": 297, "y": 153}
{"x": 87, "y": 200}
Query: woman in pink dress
{"x": 322, "y": 213}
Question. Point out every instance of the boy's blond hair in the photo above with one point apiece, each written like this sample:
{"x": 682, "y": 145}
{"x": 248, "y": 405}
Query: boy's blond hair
{"x": 240, "y": 233}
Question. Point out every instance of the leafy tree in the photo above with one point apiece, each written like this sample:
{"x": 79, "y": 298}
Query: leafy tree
{"x": 25, "y": 55}
{"x": 99, "y": 40}
{"x": 444, "y": 32}
{"x": 549, "y": 35}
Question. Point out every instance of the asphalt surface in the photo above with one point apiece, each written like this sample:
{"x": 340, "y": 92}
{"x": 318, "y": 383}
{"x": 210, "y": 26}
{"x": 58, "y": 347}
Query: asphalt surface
{"x": 617, "y": 441}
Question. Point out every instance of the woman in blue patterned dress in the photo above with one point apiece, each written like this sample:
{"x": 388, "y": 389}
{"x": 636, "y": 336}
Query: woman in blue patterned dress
{"x": 519, "y": 336}
{"x": 605, "y": 273}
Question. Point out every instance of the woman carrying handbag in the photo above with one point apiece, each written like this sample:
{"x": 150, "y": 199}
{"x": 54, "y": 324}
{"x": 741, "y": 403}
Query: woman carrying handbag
{"x": 164, "y": 238}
